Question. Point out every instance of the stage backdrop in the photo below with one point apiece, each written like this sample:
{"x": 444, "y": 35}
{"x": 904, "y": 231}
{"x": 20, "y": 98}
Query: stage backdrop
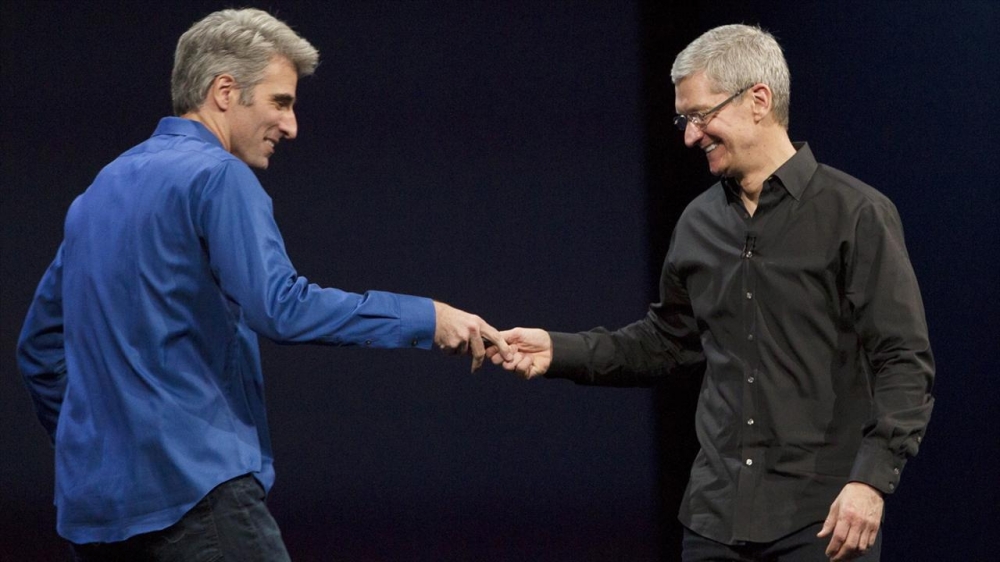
{"x": 516, "y": 159}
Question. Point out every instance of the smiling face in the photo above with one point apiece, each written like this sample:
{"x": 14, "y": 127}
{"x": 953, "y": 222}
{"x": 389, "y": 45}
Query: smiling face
{"x": 727, "y": 136}
{"x": 255, "y": 129}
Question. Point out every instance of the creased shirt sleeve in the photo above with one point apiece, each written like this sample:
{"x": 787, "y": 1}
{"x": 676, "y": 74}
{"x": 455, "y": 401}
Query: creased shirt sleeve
{"x": 41, "y": 354}
{"x": 889, "y": 318}
{"x": 248, "y": 258}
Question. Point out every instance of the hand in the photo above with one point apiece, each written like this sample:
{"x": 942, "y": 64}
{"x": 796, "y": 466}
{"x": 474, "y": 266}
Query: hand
{"x": 458, "y": 332}
{"x": 532, "y": 352}
{"x": 854, "y": 520}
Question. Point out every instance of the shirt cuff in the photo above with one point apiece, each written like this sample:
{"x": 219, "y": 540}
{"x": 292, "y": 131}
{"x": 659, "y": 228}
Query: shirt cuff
{"x": 417, "y": 321}
{"x": 878, "y": 468}
{"x": 569, "y": 357}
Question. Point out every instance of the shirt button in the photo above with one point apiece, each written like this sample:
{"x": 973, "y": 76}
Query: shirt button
{"x": 749, "y": 295}
{"x": 750, "y": 463}
{"x": 750, "y": 337}
{"x": 750, "y": 421}
{"x": 892, "y": 486}
{"x": 895, "y": 471}
{"x": 750, "y": 380}
{"x": 368, "y": 342}
{"x": 414, "y": 342}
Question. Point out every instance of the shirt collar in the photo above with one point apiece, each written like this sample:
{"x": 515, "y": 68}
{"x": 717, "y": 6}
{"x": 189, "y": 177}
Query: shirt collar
{"x": 793, "y": 175}
{"x": 186, "y": 127}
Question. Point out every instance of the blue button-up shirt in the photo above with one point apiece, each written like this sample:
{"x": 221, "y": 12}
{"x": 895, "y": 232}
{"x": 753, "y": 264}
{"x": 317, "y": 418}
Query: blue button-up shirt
{"x": 140, "y": 347}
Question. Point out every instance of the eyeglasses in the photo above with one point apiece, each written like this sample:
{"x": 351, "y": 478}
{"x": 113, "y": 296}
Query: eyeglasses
{"x": 701, "y": 119}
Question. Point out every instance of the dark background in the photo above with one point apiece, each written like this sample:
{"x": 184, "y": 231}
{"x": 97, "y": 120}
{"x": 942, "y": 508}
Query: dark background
{"x": 516, "y": 159}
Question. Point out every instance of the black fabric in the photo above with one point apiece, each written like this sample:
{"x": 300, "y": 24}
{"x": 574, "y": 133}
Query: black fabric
{"x": 809, "y": 322}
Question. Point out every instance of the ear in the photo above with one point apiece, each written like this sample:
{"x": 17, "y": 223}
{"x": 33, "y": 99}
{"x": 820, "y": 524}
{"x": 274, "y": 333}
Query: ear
{"x": 223, "y": 93}
{"x": 763, "y": 101}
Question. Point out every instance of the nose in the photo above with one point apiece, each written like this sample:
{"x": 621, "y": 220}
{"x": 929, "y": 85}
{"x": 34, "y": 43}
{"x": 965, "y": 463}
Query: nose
{"x": 288, "y": 125}
{"x": 692, "y": 134}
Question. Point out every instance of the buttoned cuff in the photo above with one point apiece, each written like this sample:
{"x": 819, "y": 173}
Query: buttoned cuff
{"x": 569, "y": 357}
{"x": 877, "y": 467}
{"x": 417, "y": 320}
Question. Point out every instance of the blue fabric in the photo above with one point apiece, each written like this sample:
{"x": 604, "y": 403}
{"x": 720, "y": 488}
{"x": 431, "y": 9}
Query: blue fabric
{"x": 140, "y": 347}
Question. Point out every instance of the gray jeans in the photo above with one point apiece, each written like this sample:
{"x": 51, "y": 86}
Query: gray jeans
{"x": 230, "y": 523}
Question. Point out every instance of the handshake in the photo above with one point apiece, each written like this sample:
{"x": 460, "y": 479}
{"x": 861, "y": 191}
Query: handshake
{"x": 528, "y": 351}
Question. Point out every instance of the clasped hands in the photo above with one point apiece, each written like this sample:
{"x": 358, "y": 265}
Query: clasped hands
{"x": 525, "y": 350}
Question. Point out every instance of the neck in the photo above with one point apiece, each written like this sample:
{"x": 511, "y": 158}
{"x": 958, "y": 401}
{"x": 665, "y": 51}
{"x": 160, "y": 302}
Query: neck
{"x": 213, "y": 122}
{"x": 774, "y": 151}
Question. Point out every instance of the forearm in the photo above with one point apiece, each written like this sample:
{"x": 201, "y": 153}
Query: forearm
{"x": 377, "y": 319}
{"x": 903, "y": 406}
{"x": 636, "y": 355}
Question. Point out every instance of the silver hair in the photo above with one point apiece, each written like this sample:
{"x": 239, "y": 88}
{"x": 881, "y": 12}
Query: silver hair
{"x": 236, "y": 42}
{"x": 735, "y": 56}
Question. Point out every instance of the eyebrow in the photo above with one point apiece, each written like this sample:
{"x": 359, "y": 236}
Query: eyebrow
{"x": 283, "y": 100}
{"x": 698, "y": 109}
{"x": 692, "y": 111}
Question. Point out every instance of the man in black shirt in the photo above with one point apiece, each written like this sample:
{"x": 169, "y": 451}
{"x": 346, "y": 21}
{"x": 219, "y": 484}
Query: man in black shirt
{"x": 790, "y": 282}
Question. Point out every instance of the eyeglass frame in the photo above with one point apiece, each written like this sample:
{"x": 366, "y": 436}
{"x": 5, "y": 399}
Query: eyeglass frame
{"x": 701, "y": 119}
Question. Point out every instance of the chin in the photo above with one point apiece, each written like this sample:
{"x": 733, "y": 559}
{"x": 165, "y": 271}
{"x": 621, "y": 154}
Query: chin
{"x": 717, "y": 168}
{"x": 260, "y": 164}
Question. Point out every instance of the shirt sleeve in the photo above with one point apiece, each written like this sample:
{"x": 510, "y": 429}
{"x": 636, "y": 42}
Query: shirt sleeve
{"x": 248, "y": 259}
{"x": 665, "y": 342}
{"x": 889, "y": 318}
{"x": 41, "y": 354}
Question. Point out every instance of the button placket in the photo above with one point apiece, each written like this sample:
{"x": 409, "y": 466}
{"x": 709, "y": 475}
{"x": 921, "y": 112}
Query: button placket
{"x": 748, "y": 416}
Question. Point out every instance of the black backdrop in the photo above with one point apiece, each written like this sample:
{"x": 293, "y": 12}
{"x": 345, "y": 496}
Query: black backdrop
{"x": 516, "y": 159}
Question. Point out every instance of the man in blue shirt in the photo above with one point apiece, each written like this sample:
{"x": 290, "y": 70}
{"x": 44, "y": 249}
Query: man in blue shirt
{"x": 140, "y": 347}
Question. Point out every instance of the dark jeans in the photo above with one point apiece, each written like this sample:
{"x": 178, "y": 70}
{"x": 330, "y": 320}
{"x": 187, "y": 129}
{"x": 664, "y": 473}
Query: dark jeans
{"x": 800, "y": 546}
{"x": 230, "y": 523}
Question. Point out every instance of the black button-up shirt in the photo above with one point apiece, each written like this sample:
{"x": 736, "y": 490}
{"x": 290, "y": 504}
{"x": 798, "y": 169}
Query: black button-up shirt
{"x": 809, "y": 322}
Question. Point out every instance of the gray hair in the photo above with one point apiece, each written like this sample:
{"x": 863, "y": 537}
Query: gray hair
{"x": 237, "y": 42}
{"x": 735, "y": 56}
